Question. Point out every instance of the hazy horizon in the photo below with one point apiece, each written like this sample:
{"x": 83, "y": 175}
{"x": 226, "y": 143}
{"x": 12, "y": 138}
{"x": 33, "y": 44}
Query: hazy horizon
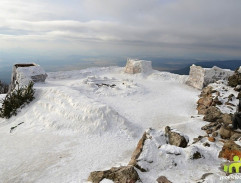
{"x": 77, "y": 34}
{"x": 184, "y": 29}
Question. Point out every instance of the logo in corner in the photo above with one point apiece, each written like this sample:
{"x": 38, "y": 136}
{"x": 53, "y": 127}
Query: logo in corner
{"x": 236, "y": 165}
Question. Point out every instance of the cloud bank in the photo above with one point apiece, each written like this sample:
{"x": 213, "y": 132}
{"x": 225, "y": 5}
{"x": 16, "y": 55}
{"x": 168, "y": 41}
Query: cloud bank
{"x": 167, "y": 28}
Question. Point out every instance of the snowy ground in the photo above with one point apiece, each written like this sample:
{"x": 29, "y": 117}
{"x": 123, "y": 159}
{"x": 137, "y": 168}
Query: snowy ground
{"x": 77, "y": 125}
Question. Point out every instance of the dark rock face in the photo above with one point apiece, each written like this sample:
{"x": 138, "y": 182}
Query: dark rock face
{"x": 196, "y": 155}
{"x": 163, "y": 179}
{"x": 124, "y": 174}
{"x": 235, "y": 79}
{"x": 174, "y": 138}
{"x": 239, "y": 95}
{"x": 229, "y": 150}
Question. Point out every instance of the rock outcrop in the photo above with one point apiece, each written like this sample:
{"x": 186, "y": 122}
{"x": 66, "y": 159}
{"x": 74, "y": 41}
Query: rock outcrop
{"x": 227, "y": 133}
{"x": 235, "y": 79}
{"x": 212, "y": 114}
{"x": 22, "y": 74}
{"x": 137, "y": 152}
{"x": 200, "y": 77}
{"x": 175, "y": 138}
{"x": 229, "y": 150}
{"x": 123, "y": 174}
{"x": 134, "y": 66}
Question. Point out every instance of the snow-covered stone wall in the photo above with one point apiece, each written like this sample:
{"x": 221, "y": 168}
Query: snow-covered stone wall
{"x": 200, "y": 77}
{"x": 24, "y": 73}
{"x": 134, "y": 66}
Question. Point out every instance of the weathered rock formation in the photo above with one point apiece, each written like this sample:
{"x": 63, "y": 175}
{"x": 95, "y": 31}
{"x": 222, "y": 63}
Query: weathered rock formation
{"x": 235, "y": 79}
{"x": 134, "y": 66}
{"x": 200, "y": 77}
{"x": 212, "y": 114}
{"x": 22, "y": 74}
{"x": 137, "y": 152}
{"x": 229, "y": 150}
{"x": 227, "y": 133}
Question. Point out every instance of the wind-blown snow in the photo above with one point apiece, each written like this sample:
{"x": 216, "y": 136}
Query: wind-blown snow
{"x": 92, "y": 119}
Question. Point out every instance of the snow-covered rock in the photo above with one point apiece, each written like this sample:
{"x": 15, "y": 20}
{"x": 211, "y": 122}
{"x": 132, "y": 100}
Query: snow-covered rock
{"x": 24, "y": 73}
{"x": 134, "y": 66}
{"x": 200, "y": 77}
{"x": 77, "y": 127}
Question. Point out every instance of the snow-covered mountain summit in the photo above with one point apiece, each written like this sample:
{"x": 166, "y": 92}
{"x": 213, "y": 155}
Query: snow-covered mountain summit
{"x": 87, "y": 120}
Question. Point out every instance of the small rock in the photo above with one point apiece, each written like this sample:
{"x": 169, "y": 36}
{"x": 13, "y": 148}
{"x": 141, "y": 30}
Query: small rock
{"x": 216, "y": 102}
{"x": 214, "y": 134}
{"x": 225, "y": 133}
{"x": 237, "y": 88}
{"x": 226, "y": 118}
{"x": 207, "y": 91}
{"x": 217, "y": 127}
{"x": 235, "y": 136}
{"x": 206, "y": 144}
{"x": 203, "y": 104}
{"x": 239, "y": 95}
{"x": 209, "y": 131}
{"x": 230, "y": 97}
{"x": 196, "y": 155}
{"x": 163, "y": 179}
{"x": 175, "y": 138}
{"x": 211, "y": 139}
{"x": 210, "y": 126}
{"x": 195, "y": 140}
{"x": 121, "y": 174}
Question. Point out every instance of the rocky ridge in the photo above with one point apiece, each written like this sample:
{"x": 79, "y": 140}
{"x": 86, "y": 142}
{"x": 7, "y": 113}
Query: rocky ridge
{"x": 167, "y": 150}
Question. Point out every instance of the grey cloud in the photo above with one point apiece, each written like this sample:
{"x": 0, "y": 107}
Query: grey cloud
{"x": 181, "y": 26}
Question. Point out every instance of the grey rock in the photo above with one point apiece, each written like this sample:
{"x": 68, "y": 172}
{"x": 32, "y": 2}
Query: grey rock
{"x": 123, "y": 174}
{"x": 175, "y": 138}
{"x": 163, "y": 179}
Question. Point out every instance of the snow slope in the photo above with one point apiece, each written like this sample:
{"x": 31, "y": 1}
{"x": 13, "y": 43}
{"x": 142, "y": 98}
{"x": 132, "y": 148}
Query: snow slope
{"x": 92, "y": 119}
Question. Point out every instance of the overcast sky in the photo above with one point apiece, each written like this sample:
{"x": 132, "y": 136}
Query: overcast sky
{"x": 204, "y": 29}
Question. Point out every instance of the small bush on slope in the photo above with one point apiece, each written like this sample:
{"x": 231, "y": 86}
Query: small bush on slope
{"x": 16, "y": 99}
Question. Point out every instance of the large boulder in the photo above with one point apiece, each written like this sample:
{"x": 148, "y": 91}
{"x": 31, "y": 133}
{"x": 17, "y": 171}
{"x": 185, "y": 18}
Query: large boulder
{"x": 22, "y": 74}
{"x": 176, "y": 138}
{"x": 200, "y": 77}
{"x": 134, "y": 66}
{"x": 229, "y": 150}
{"x": 123, "y": 174}
{"x": 212, "y": 114}
{"x": 227, "y": 133}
